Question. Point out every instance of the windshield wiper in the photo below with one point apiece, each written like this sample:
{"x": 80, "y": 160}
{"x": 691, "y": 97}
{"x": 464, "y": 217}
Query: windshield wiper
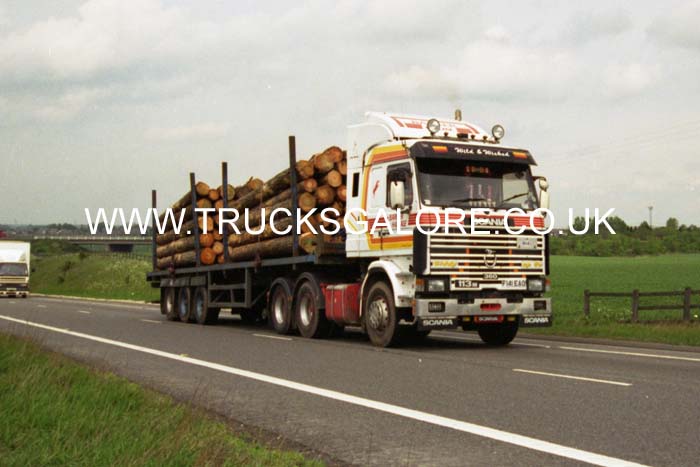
{"x": 500, "y": 205}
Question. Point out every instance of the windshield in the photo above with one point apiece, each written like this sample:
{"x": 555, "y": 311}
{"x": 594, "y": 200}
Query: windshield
{"x": 13, "y": 269}
{"x": 460, "y": 183}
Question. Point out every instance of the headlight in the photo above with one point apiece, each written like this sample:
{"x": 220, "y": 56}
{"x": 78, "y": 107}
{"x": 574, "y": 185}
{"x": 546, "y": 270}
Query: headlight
{"x": 433, "y": 126}
{"x": 436, "y": 285}
{"x": 535, "y": 285}
{"x": 498, "y": 132}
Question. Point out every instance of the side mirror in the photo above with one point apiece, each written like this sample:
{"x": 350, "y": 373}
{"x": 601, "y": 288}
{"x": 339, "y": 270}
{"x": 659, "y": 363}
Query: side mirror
{"x": 544, "y": 193}
{"x": 396, "y": 194}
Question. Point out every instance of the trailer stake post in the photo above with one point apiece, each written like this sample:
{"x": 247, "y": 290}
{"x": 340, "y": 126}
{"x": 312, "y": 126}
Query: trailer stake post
{"x": 193, "y": 192}
{"x": 224, "y": 190}
{"x": 293, "y": 182}
{"x": 153, "y": 228}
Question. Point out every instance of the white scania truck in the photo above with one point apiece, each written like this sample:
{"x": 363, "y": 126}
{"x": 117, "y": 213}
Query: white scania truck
{"x": 397, "y": 279}
{"x": 14, "y": 268}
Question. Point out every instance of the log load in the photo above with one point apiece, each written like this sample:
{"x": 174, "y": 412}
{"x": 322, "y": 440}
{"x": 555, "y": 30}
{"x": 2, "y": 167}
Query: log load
{"x": 320, "y": 183}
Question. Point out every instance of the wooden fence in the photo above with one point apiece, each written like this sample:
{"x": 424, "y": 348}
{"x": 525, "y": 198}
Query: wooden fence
{"x": 635, "y": 295}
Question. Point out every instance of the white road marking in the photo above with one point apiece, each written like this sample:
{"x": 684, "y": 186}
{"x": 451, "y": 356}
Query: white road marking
{"x": 85, "y": 312}
{"x": 134, "y": 307}
{"x": 41, "y": 306}
{"x": 458, "y": 425}
{"x": 633, "y": 354}
{"x": 12, "y": 302}
{"x": 269, "y": 336}
{"x": 150, "y": 321}
{"x": 580, "y": 378}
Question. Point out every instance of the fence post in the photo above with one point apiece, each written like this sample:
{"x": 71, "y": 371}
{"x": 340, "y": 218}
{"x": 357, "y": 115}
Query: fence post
{"x": 686, "y": 303}
{"x": 586, "y": 302}
{"x": 635, "y": 306}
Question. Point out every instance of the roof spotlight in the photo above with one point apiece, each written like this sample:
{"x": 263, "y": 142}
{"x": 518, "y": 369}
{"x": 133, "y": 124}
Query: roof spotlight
{"x": 498, "y": 132}
{"x": 433, "y": 126}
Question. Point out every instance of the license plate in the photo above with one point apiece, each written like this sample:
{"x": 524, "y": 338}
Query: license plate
{"x": 465, "y": 284}
{"x": 513, "y": 283}
{"x": 526, "y": 243}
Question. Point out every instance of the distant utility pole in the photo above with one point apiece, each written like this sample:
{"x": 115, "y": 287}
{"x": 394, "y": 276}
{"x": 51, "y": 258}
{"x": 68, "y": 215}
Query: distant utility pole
{"x": 651, "y": 208}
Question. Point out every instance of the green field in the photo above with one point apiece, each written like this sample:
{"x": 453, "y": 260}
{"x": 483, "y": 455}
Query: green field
{"x": 571, "y": 275}
{"x": 56, "y": 412}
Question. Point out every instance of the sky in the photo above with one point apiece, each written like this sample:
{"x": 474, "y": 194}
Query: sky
{"x": 103, "y": 100}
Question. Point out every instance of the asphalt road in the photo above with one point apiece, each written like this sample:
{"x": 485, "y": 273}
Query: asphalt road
{"x": 448, "y": 401}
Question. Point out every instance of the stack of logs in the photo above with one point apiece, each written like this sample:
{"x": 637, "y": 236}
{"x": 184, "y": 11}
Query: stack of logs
{"x": 320, "y": 184}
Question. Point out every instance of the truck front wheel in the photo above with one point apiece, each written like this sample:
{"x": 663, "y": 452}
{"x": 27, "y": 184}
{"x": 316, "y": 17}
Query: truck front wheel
{"x": 379, "y": 315}
{"x": 498, "y": 334}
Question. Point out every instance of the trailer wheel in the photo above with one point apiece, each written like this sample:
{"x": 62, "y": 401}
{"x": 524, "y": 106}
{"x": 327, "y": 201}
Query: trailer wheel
{"x": 498, "y": 334}
{"x": 280, "y": 310}
{"x": 311, "y": 321}
{"x": 203, "y": 314}
{"x": 184, "y": 305}
{"x": 379, "y": 315}
{"x": 167, "y": 303}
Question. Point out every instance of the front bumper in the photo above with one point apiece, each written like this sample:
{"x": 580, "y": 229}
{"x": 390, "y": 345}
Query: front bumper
{"x": 14, "y": 290}
{"x": 532, "y": 312}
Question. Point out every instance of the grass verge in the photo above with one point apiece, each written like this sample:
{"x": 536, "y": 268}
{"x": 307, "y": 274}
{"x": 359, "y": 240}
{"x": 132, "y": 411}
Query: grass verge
{"x": 57, "y": 412}
{"x": 95, "y": 276}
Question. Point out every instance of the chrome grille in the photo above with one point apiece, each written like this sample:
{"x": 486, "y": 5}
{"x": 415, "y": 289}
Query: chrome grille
{"x": 500, "y": 261}
{"x": 12, "y": 280}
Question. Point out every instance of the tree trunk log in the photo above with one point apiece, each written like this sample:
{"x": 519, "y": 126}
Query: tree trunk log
{"x": 341, "y": 193}
{"x": 202, "y": 189}
{"x": 273, "y": 248}
{"x": 325, "y": 195}
{"x": 342, "y": 167}
{"x": 332, "y": 178}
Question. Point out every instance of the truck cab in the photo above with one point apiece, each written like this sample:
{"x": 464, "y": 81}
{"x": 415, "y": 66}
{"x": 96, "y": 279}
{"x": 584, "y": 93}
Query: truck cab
{"x": 14, "y": 269}
{"x": 428, "y": 202}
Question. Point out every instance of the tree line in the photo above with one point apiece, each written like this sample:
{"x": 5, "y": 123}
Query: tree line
{"x": 628, "y": 240}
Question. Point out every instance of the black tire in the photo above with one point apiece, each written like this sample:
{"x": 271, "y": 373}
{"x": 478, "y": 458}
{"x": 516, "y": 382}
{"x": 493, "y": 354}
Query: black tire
{"x": 184, "y": 305}
{"x": 203, "y": 314}
{"x": 280, "y": 313}
{"x": 168, "y": 304}
{"x": 498, "y": 334}
{"x": 311, "y": 321}
{"x": 379, "y": 315}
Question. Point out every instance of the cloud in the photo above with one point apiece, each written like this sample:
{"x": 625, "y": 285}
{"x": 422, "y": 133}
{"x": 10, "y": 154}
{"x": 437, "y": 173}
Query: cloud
{"x": 679, "y": 27}
{"x": 492, "y": 68}
{"x": 596, "y": 24}
{"x": 70, "y": 104}
{"x": 630, "y": 80}
{"x": 189, "y": 132}
{"x": 105, "y": 36}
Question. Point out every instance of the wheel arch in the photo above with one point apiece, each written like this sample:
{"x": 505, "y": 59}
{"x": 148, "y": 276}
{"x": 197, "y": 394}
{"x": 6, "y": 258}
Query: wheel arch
{"x": 389, "y": 272}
